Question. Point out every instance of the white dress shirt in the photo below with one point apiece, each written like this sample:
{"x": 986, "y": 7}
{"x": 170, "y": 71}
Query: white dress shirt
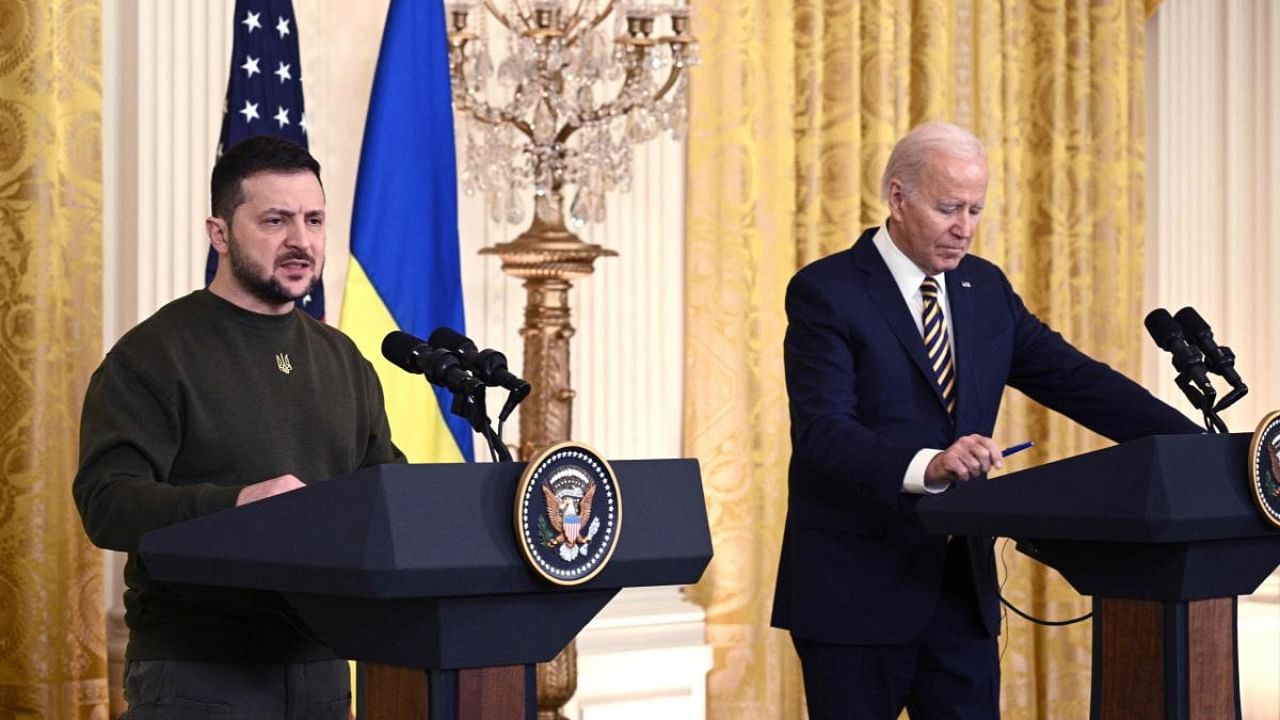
{"x": 908, "y": 277}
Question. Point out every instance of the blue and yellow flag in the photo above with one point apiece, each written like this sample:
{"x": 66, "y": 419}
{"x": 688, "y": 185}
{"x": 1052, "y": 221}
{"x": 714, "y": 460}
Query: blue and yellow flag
{"x": 404, "y": 272}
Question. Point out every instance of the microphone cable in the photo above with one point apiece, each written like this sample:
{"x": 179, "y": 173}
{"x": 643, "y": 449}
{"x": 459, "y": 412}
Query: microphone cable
{"x": 1038, "y": 621}
{"x": 1021, "y": 613}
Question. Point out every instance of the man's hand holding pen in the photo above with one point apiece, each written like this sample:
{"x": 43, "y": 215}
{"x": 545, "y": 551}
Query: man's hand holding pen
{"x": 968, "y": 457}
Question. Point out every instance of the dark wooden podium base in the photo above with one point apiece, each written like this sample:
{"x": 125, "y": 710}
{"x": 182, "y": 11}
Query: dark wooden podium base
{"x": 1156, "y": 660}
{"x": 388, "y": 692}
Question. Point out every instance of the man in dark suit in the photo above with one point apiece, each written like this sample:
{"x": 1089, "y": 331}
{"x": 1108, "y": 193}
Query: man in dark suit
{"x": 897, "y": 352}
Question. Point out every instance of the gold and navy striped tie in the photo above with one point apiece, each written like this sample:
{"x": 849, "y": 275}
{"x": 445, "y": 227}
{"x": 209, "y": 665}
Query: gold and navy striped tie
{"x": 936, "y": 344}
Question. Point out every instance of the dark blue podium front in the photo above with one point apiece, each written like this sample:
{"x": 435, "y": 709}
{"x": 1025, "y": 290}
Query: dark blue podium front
{"x": 1164, "y": 534}
{"x": 418, "y": 565}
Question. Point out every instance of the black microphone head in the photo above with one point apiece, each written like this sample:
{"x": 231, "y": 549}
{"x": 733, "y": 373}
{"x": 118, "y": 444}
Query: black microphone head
{"x": 439, "y": 362}
{"x": 450, "y": 339}
{"x": 401, "y": 348}
{"x": 1163, "y": 328}
{"x": 1193, "y": 326}
{"x": 1217, "y": 359}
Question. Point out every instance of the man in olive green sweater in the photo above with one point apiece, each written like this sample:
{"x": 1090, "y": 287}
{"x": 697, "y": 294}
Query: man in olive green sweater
{"x": 223, "y": 397}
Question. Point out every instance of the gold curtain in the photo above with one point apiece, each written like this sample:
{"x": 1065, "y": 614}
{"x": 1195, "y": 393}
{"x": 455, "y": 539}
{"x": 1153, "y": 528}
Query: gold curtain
{"x": 52, "y": 629}
{"x": 793, "y": 114}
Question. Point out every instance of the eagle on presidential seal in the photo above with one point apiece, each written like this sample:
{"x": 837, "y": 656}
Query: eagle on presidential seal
{"x": 1273, "y": 483}
{"x": 568, "y": 495}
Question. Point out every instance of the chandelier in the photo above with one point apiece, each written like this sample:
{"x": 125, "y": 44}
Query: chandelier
{"x": 570, "y": 94}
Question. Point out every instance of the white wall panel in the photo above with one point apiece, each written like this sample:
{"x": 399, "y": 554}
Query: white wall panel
{"x": 1213, "y": 185}
{"x": 1213, "y": 113}
{"x": 166, "y": 75}
{"x": 631, "y": 361}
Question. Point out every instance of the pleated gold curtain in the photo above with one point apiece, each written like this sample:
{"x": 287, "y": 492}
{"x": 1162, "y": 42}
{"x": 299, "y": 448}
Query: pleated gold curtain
{"x": 52, "y": 628}
{"x": 793, "y": 114}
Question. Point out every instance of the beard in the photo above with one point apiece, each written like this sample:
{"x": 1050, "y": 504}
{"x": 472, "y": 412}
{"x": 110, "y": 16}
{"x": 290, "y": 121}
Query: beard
{"x": 260, "y": 281}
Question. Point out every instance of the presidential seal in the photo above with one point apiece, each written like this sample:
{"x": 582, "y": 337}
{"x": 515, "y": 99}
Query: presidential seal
{"x": 568, "y": 513}
{"x": 1264, "y": 467}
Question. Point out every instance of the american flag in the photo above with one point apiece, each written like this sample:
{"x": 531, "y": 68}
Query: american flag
{"x": 264, "y": 92}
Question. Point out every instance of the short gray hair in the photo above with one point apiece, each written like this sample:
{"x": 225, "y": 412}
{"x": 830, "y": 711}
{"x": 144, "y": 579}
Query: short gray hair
{"x": 911, "y": 155}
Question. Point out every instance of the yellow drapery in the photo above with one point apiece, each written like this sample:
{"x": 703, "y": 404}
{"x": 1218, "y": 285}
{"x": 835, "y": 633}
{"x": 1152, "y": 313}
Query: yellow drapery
{"x": 793, "y": 114}
{"x": 52, "y": 630}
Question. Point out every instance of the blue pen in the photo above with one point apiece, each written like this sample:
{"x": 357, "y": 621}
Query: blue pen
{"x": 1014, "y": 449}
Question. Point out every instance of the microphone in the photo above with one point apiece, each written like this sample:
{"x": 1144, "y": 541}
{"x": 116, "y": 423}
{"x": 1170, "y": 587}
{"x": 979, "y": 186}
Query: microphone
{"x": 490, "y": 366}
{"x": 1218, "y": 359}
{"x": 441, "y": 367}
{"x": 1186, "y": 360}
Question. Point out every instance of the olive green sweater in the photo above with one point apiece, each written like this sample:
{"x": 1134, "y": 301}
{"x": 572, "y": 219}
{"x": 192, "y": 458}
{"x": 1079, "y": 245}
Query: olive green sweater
{"x": 190, "y": 406}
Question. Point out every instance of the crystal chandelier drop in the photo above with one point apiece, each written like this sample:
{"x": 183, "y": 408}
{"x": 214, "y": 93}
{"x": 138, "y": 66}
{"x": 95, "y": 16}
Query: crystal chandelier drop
{"x": 571, "y": 92}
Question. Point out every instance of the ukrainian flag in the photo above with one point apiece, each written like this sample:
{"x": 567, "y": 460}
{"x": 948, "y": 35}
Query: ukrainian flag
{"x": 404, "y": 272}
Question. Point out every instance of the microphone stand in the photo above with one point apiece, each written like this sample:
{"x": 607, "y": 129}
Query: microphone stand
{"x": 471, "y": 408}
{"x": 514, "y": 397}
{"x": 1221, "y": 366}
{"x": 1202, "y": 401}
{"x": 1230, "y": 398}
{"x": 1211, "y": 420}
{"x": 497, "y": 449}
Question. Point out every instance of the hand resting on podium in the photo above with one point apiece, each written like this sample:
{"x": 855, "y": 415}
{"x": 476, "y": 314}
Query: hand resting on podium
{"x": 267, "y": 488}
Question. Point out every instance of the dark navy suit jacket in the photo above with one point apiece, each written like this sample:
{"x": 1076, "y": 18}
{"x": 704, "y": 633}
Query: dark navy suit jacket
{"x": 856, "y": 565}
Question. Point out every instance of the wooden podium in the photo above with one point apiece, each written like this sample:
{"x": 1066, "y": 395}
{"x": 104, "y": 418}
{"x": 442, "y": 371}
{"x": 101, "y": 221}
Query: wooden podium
{"x": 1164, "y": 534}
{"x": 417, "y": 567}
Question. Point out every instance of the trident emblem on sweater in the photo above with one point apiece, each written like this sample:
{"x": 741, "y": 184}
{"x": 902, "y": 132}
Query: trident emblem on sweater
{"x": 282, "y": 362}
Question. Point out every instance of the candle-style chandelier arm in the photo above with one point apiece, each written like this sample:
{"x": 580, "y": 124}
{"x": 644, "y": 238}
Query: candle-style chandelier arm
{"x": 561, "y": 71}
{"x": 673, "y": 76}
{"x": 625, "y": 102}
{"x": 577, "y": 17}
{"x": 464, "y": 101}
{"x": 503, "y": 19}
